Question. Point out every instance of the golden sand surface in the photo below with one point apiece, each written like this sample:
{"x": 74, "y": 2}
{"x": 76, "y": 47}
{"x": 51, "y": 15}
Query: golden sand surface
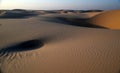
{"x": 38, "y": 45}
{"x": 109, "y": 19}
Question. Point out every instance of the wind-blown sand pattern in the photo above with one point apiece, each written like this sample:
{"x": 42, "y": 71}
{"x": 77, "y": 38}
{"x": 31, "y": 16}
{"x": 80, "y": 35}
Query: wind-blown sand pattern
{"x": 43, "y": 44}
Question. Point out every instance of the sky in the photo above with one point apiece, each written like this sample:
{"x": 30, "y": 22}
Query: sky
{"x": 60, "y": 4}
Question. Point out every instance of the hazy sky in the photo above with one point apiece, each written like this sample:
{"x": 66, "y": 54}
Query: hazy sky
{"x": 60, "y": 4}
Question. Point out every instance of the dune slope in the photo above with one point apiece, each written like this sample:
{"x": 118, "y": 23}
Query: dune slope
{"x": 108, "y": 19}
{"x": 34, "y": 45}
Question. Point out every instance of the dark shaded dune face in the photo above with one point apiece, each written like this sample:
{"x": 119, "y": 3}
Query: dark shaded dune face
{"x": 108, "y": 19}
{"x": 24, "y": 46}
{"x": 30, "y": 44}
{"x": 81, "y": 22}
{"x": 86, "y": 11}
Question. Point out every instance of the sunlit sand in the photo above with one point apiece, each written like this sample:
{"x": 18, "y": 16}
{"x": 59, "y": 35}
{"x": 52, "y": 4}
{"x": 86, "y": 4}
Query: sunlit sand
{"x": 60, "y": 42}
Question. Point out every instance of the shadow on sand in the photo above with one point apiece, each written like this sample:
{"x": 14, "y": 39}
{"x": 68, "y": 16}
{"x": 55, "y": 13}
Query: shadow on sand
{"x": 23, "y": 46}
{"x": 81, "y": 22}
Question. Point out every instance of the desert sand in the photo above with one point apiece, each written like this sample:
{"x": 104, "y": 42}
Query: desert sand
{"x": 46, "y": 43}
{"x": 109, "y": 19}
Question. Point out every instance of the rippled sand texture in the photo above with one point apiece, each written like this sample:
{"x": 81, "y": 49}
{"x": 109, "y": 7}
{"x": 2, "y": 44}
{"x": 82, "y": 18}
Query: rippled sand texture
{"x": 35, "y": 45}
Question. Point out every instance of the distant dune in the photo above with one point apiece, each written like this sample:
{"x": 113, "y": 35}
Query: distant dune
{"x": 16, "y": 13}
{"x": 108, "y": 19}
{"x": 73, "y": 18}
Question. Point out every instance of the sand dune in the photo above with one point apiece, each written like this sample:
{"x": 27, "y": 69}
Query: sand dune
{"x": 16, "y": 14}
{"x": 74, "y": 19}
{"x": 92, "y": 14}
{"x": 36, "y": 45}
{"x": 109, "y": 19}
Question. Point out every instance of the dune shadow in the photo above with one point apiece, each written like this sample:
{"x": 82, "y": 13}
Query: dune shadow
{"x": 24, "y": 46}
{"x": 81, "y": 22}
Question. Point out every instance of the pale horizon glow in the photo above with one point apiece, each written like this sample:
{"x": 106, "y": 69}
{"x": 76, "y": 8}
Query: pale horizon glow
{"x": 57, "y": 4}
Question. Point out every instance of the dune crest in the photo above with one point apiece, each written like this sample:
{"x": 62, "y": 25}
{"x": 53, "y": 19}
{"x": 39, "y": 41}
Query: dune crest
{"x": 108, "y": 19}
